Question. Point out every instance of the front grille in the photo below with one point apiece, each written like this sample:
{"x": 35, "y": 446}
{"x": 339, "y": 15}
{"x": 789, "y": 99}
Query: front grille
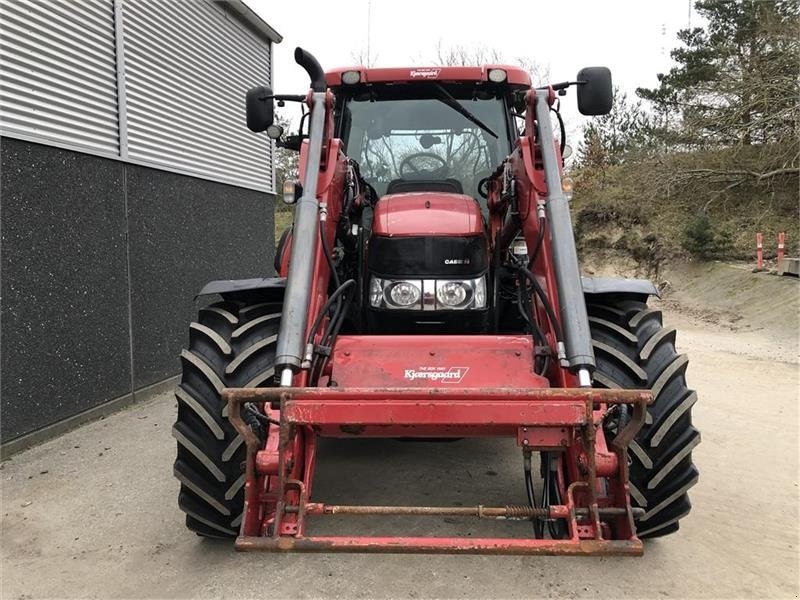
{"x": 426, "y": 256}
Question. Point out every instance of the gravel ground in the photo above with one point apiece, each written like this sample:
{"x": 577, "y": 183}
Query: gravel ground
{"x": 93, "y": 514}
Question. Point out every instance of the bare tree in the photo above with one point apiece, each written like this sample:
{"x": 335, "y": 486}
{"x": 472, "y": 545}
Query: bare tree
{"x": 361, "y": 57}
{"x": 451, "y": 56}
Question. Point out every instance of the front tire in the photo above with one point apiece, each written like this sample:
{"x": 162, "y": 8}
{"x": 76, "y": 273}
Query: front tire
{"x": 232, "y": 344}
{"x": 634, "y": 351}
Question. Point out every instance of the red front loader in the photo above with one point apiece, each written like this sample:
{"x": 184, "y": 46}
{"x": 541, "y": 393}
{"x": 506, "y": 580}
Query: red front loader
{"x": 429, "y": 288}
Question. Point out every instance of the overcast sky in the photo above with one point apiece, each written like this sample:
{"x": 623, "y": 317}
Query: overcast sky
{"x": 631, "y": 37}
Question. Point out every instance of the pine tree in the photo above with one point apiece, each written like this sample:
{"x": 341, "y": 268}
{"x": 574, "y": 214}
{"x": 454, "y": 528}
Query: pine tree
{"x": 611, "y": 139}
{"x": 736, "y": 81}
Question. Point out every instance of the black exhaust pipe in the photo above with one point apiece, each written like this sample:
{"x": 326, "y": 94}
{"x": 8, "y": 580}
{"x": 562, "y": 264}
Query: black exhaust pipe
{"x": 312, "y": 67}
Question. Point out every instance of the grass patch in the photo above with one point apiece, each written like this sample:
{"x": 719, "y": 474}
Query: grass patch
{"x": 647, "y": 212}
{"x": 284, "y": 216}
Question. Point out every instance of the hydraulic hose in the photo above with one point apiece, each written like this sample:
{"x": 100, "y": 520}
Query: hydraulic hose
{"x": 538, "y": 530}
{"x": 556, "y": 527}
{"x": 551, "y": 315}
{"x": 496, "y": 287}
{"x": 334, "y": 297}
{"x": 329, "y": 337}
{"x": 331, "y": 331}
{"x": 536, "y": 331}
{"x": 539, "y": 240}
{"x": 328, "y": 257}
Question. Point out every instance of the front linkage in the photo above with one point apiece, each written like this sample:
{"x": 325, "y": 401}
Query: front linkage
{"x": 279, "y": 476}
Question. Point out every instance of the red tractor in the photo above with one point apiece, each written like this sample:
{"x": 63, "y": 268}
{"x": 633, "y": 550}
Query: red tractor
{"x": 430, "y": 288}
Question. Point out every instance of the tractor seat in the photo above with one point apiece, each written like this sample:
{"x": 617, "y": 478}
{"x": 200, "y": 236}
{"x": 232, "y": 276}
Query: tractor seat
{"x": 402, "y": 186}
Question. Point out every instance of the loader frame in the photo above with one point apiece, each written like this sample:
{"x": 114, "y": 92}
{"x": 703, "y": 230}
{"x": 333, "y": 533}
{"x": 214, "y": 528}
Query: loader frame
{"x": 559, "y": 418}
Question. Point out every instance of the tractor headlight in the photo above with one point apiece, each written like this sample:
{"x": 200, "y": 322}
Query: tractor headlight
{"x": 451, "y": 294}
{"x": 403, "y": 294}
{"x": 428, "y": 294}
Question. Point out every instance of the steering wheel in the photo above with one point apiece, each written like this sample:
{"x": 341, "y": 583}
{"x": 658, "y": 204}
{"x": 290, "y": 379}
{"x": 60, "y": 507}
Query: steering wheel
{"x": 408, "y": 166}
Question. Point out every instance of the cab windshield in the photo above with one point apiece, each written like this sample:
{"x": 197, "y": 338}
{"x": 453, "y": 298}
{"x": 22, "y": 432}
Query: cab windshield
{"x": 410, "y": 137}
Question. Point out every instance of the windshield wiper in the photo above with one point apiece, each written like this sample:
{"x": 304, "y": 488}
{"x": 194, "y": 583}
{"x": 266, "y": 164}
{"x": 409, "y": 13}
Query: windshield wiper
{"x": 448, "y": 99}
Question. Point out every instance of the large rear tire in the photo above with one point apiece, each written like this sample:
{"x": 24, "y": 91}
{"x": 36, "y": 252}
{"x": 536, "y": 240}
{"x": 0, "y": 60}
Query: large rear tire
{"x": 634, "y": 351}
{"x": 232, "y": 344}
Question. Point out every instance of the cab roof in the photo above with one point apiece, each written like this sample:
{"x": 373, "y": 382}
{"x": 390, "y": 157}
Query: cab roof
{"x": 516, "y": 76}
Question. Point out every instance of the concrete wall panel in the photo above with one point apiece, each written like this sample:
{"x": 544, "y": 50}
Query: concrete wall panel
{"x": 65, "y": 344}
{"x": 100, "y": 264}
{"x": 185, "y": 232}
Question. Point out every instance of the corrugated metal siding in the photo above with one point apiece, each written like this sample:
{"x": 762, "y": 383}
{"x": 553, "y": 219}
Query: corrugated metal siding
{"x": 187, "y": 68}
{"x": 59, "y": 83}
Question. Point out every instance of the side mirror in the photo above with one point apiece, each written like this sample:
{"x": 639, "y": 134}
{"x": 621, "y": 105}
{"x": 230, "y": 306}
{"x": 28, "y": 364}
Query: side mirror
{"x": 595, "y": 92}
{"x": 260, "y": 108}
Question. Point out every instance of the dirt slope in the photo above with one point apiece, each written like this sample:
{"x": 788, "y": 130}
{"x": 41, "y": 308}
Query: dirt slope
{"x": 733, "y": 297}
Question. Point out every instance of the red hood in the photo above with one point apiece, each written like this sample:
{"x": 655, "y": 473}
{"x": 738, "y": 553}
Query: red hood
{"x": 427, "y": 213}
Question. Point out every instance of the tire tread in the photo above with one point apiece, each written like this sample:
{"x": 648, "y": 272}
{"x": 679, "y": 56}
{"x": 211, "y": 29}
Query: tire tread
{"x": 661, "y": 467}
{"x": 210, "y": 453}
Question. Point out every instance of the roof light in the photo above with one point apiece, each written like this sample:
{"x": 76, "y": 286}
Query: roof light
{"x": 497, "y": 75}
{"x": 351, "y": 77}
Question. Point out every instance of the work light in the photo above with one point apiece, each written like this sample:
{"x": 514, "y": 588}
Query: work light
{"x": 351, "y": 77}
{"x": 497, "y": 75}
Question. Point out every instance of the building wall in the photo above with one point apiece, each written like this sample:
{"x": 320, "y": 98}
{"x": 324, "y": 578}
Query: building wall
{"x": 186, "y": 69}
{"x": 156, "y": 83}
{"x": 100, "y": 261}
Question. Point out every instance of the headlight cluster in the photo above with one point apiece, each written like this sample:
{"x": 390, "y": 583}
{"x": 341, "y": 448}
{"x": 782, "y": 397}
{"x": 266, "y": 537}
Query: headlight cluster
{"x": 428, "y": 294}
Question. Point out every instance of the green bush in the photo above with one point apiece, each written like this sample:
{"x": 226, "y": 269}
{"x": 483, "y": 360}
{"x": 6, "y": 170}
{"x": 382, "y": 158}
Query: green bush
{"x": 703, "y": 240}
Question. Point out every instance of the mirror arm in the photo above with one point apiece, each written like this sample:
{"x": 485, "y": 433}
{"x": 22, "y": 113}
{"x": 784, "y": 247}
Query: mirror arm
{"x": 284, "y": 97}
{"x": 565, "y": 84}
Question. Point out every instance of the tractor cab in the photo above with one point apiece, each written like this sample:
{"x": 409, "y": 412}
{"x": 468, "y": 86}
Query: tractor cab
{"x": 424, "y": 140}
{"x": 426, "y": 130}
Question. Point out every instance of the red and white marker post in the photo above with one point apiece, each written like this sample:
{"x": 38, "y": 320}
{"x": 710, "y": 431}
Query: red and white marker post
{"x": 759, "y": 251}
{"x": 781, "y": 244}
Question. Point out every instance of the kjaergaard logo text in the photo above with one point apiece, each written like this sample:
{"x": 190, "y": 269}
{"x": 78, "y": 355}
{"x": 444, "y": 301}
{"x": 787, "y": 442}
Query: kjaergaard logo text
{"x": 437, "y": 374}
{"x": 427, "y": 73}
